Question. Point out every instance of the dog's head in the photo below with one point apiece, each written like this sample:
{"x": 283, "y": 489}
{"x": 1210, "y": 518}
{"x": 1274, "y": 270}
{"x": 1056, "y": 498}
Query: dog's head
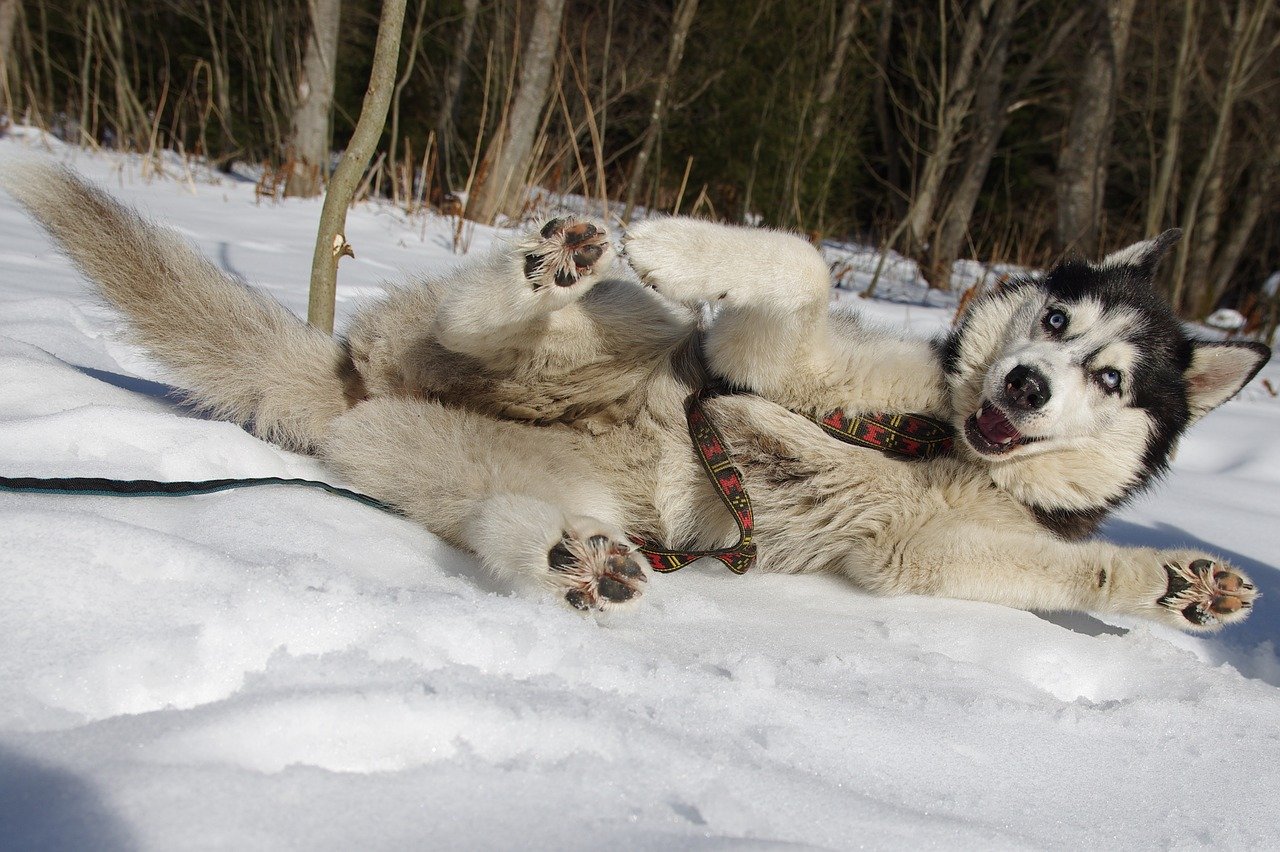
{"x": 1075, "y": 387}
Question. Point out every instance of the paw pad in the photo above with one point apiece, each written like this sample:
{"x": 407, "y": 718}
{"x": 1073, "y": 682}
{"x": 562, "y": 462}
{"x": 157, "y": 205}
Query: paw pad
{"x": 599, "y": 570}
{"x": 1206, "y": 593}
{"x": 564, "y": 251}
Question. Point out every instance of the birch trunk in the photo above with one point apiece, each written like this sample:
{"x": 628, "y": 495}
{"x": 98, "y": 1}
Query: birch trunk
{"x": 309, "y": 136}
{"x": 681, "y": 22}
{"x": 505, "y": 165}
{"x": 1082, "y": 162}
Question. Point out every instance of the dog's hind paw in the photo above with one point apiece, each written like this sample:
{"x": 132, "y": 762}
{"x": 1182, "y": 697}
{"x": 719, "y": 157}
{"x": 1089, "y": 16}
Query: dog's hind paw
{"x": 682, "y": 259}
{"x": 595, "y": 569}
{"x": 565, "y": 252}
{"x": 1205, "y": 594}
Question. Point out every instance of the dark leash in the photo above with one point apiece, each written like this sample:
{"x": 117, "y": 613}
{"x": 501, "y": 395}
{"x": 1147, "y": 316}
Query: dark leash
{"x": 98, "y": 486}
{"x": 908, "y": 436}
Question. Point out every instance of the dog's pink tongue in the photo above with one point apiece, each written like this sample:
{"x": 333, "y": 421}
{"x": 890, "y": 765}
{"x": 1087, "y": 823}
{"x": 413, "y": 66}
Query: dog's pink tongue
{"x": 995, "y": 427}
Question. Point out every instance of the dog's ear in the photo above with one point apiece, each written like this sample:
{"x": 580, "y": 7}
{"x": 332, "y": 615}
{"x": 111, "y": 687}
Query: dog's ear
{"x": 1219, "y": 370}
{"x": 1143, "y": 256}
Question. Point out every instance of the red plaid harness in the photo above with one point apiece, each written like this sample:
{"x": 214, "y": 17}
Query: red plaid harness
{"x": 910, "y": 436}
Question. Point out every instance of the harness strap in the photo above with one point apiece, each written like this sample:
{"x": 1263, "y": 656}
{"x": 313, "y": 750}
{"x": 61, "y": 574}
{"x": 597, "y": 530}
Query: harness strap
{"x": 727, "y": 479}
{"x": 910, "y": 436}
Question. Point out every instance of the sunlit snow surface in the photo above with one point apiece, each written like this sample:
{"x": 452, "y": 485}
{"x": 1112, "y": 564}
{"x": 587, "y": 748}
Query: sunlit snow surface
{"x": 283, "y": 669}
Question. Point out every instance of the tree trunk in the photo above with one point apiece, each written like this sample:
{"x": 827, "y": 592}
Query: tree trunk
{"x": 452, "y": 88}
{"x": 954, "y": 98}
{"x": 989, "y": 118}
{"x": 309, "y": 140}
{"x": 505, "y": 165}
{"x": 414, "y": 38}
{"x": 1260, "y": 185}
{"x": 1082, "y": 162}
{"x": 331, "y": 243}
{"x": 1190, "y": 263}
{"x": 682, "y": 20}
{"x": 1161, "y": 190}
{"x": 886, "y": 128}
{"x": 834, "y": 70}
{"x": 991, "y": 115}
{"x": 8, "y": 18}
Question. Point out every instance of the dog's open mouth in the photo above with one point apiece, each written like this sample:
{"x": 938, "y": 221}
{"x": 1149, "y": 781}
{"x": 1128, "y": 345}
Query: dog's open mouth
{"x": 991, "y": 433}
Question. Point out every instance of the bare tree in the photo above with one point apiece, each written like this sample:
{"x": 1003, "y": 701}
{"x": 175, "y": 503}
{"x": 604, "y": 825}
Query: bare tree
{"x": 453, "y": 86}
{"x": 415, "y": 38}
{"x": 1258, "y": 192}
{"x": 681, "y": 21}
{"x": 1162, "y": 188}
{"x": 993, "y": 105}
{"x": 1206, "y": 197}
{"x": 309, "y": 139}
{"x": 8, "y": 18}
{"x": 952, "y": 97}
{"x": 506, "y": 161}
{"x": 1082, "y": 161}
{"x": 331, "y": 243}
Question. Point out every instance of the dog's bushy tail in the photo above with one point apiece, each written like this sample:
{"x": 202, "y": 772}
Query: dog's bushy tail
{"x": 240, "y": 354}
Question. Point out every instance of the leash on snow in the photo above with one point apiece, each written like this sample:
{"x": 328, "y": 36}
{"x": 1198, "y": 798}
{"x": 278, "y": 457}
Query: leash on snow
{"x": 99, "y": 486}
{"x": 910, "y": 436}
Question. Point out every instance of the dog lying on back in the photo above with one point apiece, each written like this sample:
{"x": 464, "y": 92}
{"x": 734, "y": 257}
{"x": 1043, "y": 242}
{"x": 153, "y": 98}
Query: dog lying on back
{"x": 531, "y": 409}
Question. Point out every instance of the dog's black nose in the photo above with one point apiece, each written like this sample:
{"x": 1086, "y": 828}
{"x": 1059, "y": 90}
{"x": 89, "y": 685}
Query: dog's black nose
{"x": 1026, "y": 388}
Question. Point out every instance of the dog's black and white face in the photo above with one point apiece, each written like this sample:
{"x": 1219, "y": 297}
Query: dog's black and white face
{"x": 1075, "y": 387}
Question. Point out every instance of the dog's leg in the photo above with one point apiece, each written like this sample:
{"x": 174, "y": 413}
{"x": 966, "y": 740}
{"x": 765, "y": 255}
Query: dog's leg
{"x": 505, "y": 299}
{"x": 1183, "y": 588}
{"x": 772, "y": 290}
{"x": 524, "y": 499}
{"x": 774, "y": 332}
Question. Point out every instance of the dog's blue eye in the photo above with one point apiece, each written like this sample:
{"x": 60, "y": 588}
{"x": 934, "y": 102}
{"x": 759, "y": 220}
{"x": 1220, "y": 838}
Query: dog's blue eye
{"x": 1056, "y": 321}
{"x": 1109, "y": 379}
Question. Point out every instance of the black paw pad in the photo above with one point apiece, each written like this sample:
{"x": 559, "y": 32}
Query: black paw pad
{"x": 533, "y": 266}
{"x": 611, "y": 589}
{"x": 621, "y": 563}
{"x": 560, "y": 559}
{"x": 550, "y": 228}
{"x": 578, "y": 600}
{"x": 587, "y": 255}
{"x": 1196, "y": 614}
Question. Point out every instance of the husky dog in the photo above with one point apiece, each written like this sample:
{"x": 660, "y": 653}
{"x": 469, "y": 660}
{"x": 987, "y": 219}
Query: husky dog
{"x": 531, "y": 409}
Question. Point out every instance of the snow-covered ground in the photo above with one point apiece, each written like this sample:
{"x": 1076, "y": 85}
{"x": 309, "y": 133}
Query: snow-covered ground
{"x": 281, "y": 669}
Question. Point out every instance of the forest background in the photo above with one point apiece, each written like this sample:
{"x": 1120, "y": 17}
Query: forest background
{"x": 1009, "y": 130}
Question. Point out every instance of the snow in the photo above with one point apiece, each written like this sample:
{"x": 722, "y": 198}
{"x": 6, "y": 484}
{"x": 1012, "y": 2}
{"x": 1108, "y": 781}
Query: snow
{"x": 279, "y": 668}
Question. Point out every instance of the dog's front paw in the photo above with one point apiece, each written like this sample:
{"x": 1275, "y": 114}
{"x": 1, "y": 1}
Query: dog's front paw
{"x": 682, "y": 259}
{"x": 1204, "y": 595}
{"x": 595, "y": 568}
{"x": 565, "y": 252}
